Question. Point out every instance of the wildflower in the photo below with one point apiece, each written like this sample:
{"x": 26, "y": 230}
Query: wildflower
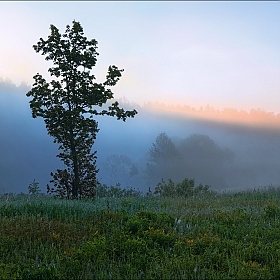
{"x": 188, "y": 227}
{"x": 178, "y": 221}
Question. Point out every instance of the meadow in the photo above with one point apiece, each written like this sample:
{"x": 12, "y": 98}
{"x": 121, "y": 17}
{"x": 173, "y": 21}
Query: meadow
{"x": 232, "y": 235}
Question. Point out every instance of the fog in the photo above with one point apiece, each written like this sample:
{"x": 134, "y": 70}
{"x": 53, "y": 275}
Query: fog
{"x": 223, "y": 155}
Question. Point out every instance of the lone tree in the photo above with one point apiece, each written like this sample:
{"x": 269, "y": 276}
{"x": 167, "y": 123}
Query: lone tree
{"x": 68, "y": 104}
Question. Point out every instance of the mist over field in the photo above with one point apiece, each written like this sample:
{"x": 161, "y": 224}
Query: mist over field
{"x": 221, "y": 154}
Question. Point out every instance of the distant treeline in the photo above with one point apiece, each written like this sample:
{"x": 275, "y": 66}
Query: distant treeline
{"x": 254, "y": 117}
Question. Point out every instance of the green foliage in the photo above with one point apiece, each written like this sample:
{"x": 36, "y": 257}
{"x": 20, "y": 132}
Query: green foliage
{"x": 68, "y": 104}
{"x": 103, "y": 190}
{"x": 41, "y": 271}
{"x": 144, "y": 220}
{"x": 185, "y": 188}
{"x": 226, "y": 236}
{"x": 9, "y": 271}
{"x": 272, "y": 210}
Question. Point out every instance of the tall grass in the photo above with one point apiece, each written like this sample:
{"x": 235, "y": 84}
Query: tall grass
{"x": 214, "y": 236}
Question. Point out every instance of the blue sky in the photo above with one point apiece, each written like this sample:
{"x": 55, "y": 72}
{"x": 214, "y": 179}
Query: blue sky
{"x": 222, "y": 54}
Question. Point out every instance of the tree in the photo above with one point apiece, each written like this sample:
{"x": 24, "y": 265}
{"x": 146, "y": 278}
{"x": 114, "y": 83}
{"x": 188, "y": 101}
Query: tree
{"x": 120, "y": 169}
{"x": 68, "y": 104}
{"x": 199, "y": 149}
{"x": 164, "y": 159}
{"x": 162, "y": 150}
{"x": 33, "y": 188}
{"x": 203, "y": 159}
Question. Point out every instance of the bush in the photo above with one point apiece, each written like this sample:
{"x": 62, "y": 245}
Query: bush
{"x": 185, "y": 188}
{"x": 103, "y": 190}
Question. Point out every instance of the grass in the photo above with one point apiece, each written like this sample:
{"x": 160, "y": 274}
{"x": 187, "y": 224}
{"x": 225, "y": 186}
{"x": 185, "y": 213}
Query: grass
{"x": 216, "y": 236}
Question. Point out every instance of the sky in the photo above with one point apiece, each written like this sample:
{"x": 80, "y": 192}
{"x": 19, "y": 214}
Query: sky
{"x": 222, "y": 54}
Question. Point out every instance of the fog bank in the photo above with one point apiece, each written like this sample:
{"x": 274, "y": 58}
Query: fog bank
{"x": 27, "y": 152}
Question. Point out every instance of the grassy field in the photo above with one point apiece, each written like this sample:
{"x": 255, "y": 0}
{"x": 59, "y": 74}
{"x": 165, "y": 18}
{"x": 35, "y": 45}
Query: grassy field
{"x": 212, "y": 236}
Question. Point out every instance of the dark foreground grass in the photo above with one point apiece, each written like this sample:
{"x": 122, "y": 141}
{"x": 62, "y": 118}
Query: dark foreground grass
{"x": 226, "y": 236}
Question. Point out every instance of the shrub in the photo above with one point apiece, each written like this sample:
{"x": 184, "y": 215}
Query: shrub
{"x": 185, "y": 188}
{"x": 103, "y": 190}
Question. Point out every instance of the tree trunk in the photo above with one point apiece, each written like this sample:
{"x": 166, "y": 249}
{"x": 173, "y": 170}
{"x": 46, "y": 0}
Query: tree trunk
{"x": 76, "y": 183}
